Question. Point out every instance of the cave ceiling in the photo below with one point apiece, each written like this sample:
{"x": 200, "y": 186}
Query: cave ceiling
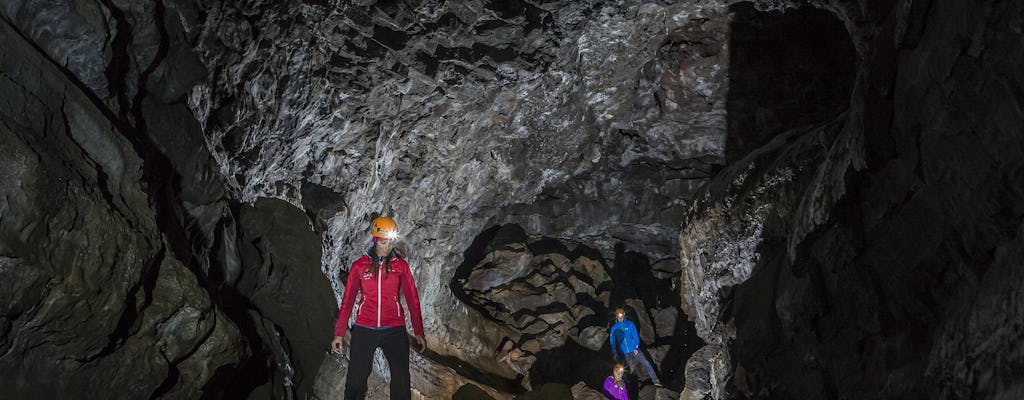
{"x": 763, "y": 185}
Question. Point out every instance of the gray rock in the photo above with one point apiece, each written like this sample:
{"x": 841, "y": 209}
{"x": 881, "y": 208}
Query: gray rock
{"x": 665, "y": 321}
{"x": 93, "y": 293}
{"x": 593, "y": 337}
{"x": 581, "y": 391}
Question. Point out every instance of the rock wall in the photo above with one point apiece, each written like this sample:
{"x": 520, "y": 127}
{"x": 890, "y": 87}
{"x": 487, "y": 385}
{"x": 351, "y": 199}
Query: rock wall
{"x": 187, "y": 182}
{"x": 95, "y": 300}
{"x": 586, "y": 122}
{"x": 124, "y": 251}
{"x": 858, "y": 257}
{"x": 455, "y": 118}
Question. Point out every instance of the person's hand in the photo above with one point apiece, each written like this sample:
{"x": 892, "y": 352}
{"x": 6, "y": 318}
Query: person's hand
{"x": 336, "y": 345}
{"x": 422, "y": 342}
{"x": 637, "y": 351}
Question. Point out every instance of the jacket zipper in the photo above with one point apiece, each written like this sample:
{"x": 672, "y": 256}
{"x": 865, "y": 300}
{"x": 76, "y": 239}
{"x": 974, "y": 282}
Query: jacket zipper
{"x": 378, "y": 298}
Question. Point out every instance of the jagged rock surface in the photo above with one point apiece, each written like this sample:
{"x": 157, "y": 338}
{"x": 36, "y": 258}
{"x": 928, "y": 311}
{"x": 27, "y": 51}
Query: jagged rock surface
{"x": 545, "y": 294}
{"x": 443, "y": 115}
{"x": 858, "y": 257}
{"x": 94, "y": 90}
{"x": 858, "y": 237}
{"x": 439, "y": 113}
{"x": 95, "y": 302}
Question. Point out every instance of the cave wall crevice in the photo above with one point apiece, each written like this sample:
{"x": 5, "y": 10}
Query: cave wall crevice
{"x": 121, "y": 234}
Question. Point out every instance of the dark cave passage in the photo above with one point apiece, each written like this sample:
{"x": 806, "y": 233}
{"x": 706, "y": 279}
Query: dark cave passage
{"x": 787, "y": 69}
{"x": 492, "y": 268}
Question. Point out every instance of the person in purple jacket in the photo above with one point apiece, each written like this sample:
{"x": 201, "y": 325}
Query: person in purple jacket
{"x": 615, "y": 386}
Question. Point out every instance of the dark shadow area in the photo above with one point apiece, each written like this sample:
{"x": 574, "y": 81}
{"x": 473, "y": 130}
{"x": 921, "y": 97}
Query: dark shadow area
{"x": 633, "y": 279}
{"x": 282, "y": 280}
{"x": 572, "y": 363}
{"x": 473, "y": 255}
{"x": 548, "y": 391}
{"x": 470, "y": 391}
{"x": 786, "y": 70}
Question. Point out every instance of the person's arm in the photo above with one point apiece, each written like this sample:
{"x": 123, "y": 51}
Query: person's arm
{"x": 412, "y": 300}
{"x": 348, "y": 301}
{"x": 616, "y": 338}
{"x": 611, "y": 340}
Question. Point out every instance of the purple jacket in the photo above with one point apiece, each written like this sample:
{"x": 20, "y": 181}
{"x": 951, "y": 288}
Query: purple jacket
{"x": 618, "y": 393}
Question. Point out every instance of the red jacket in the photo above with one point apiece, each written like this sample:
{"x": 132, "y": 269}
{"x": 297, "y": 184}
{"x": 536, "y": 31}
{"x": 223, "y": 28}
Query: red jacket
{"x": 379, "y": 305}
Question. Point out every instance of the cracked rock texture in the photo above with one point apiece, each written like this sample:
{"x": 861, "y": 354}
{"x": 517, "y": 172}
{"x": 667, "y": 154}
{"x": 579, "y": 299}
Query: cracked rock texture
{"x": 124, "y": 249}
{"x": 792, "y": 199}
{"x": 586, "y": 122}
{"x": 96, "y": 303}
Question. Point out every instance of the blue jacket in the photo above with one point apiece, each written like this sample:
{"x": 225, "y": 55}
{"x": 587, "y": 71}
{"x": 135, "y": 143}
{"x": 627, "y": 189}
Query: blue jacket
{"x": 630, "y": 340}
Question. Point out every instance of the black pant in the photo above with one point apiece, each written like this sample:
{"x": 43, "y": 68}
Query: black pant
{"x": 365, "y": 341}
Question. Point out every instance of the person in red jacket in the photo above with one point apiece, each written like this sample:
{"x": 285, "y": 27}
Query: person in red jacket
{"x": 379, "y": 276}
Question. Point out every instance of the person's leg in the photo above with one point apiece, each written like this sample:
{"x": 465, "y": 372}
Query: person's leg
{"x": 360, "y": 354}
{"x": 640, "y": 357}
{"x": 395, "y": 344}
{"x": 627, "y": 361}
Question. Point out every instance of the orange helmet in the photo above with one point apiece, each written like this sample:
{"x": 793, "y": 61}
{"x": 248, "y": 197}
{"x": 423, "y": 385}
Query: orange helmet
{"x": 384, "y": 227}
{"x": 620, "y": 311}
{"x": 619, "y": 367}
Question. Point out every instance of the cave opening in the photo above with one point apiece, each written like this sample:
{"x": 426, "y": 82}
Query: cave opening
{"x": 787, "y": 69}
{"x": 559, "y": 296}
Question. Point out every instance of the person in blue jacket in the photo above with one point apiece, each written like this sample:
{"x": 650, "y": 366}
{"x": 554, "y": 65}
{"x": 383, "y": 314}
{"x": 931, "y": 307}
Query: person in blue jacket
{"x": 625, "y": 339}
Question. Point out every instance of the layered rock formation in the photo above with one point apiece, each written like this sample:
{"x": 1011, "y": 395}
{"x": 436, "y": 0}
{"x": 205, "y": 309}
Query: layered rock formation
{"x": 811, "y": 199}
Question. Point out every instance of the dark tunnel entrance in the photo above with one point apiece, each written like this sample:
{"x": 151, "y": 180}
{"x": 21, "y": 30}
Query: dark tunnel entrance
{"x": 787, "y": 69}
